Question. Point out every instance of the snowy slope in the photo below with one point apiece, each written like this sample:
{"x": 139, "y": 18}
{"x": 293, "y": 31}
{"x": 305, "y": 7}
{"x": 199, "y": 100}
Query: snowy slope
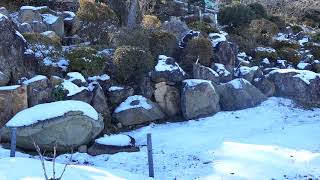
{"x": 274, "y": 140}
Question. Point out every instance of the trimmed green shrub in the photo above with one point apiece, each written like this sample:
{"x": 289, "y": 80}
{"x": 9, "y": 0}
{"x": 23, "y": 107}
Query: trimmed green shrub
{"x": 86, "y": 61}
{"x": 290, "y": 54}
{"x": 278, "y": 21}
{"x": 138, "y": 37}
{"x": 235, "y": 15}
{"x": 263, "y": 31}
{"x": 258, "y": 10}
{"x": 90, "y": 10}
{"x": 35, "y": 38}
{"x": 163, "y": 43}
{"x": 198, "y": 48}
{"x": 151, "y": 22}
{"x": 203, "y": 27}
{"x": 296, "y": 29}
{"x": 131, "y": 64}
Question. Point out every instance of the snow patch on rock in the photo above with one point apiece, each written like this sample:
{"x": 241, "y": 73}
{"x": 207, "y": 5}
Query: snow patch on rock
{"x": 114, "y": 140}
{"x": 132, "y": 102}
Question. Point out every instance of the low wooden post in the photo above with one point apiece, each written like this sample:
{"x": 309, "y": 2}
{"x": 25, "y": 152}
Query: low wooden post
{"x": 13, "y": 142}
{"x": 150, "y": 155}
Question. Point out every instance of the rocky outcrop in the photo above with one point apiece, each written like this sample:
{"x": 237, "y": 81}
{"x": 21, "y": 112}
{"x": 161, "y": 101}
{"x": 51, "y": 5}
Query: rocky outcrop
{"x": 300, "y": 85}
{"x": 167, "y": 70}
{"x": 226, "y": 54}
{"x": 12, "y": 100}
{"x": 12, "y": 47}
{"x": 239, "y": 94}
{"x": 65, "y": 130}
{"x": 206, "y": 73}
{"x": 168, "y": 98}
{"x": 138, "y": 110}
{"x": 198, "y": 98}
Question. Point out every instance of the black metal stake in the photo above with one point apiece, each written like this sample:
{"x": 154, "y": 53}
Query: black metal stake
{"x": 13, "y": 142}
{"x": 150, "y": 156}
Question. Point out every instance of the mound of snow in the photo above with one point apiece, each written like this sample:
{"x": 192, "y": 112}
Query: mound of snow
{"x": 27, "y": 169}
{"x": 34, "y": 79}
{"x": 72, "y": 88}
{"x": 46, "y": 111}
{"x": 114, "y": 140}
{"x": 163, "y": 66}
{"x": 76, "y": 76}
{"x": 9, "y": 88}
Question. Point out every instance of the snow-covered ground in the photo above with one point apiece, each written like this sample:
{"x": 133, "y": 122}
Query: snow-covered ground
{"x": 274, "y": 140}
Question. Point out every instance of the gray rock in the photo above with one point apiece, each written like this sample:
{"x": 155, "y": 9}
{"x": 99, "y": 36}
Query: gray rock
{"x": 226, "y": 54}
{"x": 198, "y": 98}
{"x": 239, "y": 94}
{"x": 265, "y": 86}
{"x": 4, "y": 79}
{"x": 12, "y": 47}
{"x": 25, "y": 28}
{"x": 167, "y": 70}
{"x": 116, "y": 96}
{"x": 137, "y": 110}
{"x": 38, "y": 26}
{"x": 66, "y": 132}
{"x": 54, "y": 23}
{"x": 300, "y": 85}
{"x": 146, "y": 88}
{"x": 84, "y": 96}
{"x": 99, "y": 103}
{"x": 39, "y": 91}
{"x": 206, "y": 73}
{"x": 71, "y": 23}
{"x": 168, "y": 98}
{"x": 224, "y": 74}
{"x": 29, "y": 14}
{"x": 12, "y": 100}
{"x": 4, "y": 11}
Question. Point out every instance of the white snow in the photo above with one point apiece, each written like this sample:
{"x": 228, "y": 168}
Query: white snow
{"x": 244, "y": 70}
{"x": 163, "y": 66}
{"x": 237, "y": 83}
{"x": 31, "y": 169}
{"x": 303, "y": 40}
{"x": 221, "y": 69}
{"x": 266, "y": 61}
{"x": 49, "y": 18}
{"x": 115, "y": 88}
{"x": 304, "y": 75}
{"x": 216, "y": 38}
{"x": 103, "y": 77}
{"x": 265, "y": 49}
{"x": 281, "y": 37}
{"x": 2, "y": 16}
{"x": 127, "y": 104}
{"x": 21, "y": 36}
{"x": 72, "y": 88}
{"x": 302, "y": 65}
{"x": 34, "y": 79}
{"x": 76, "y": 76}
{"x": 28, "y": 8}
{"x": 195, "y": 82}
{"x": 270, "y": 141}
{"x": 114, "y": 140}
{"x": 9, "y": 88}
{"x": 47, "y": 111}
{"x": 60, "y": 62}
{"x": 71, "y": 14}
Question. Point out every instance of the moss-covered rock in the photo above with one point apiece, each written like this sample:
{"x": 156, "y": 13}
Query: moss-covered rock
{"x": 86, "y": 61}
{"x": 131, "y": 64}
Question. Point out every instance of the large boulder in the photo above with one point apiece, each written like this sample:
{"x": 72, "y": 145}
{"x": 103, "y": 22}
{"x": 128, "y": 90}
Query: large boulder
{"x": 39, "y": 90}
{"x": 29, "y": 14}
{"x": 206, "y": 73}
{"x": 12, "y": 47}
{"x": 239, "y": 94}
{"x": 168, "y": 98}
{"x": 12, "y": 100}
{"x": 226, "y": 54}
{"x": 137, "y": 110}
{"x": 4, "y": 79}
{"x": 54, "y": 23}
{"x": 167, "y": 70}
{"x": 64, "y": 124}
{"x": 198, "y": 98}
{"x": 265, "y": 86}
{"x": 301, "y": 85}
{"x": 113, "y": 144}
